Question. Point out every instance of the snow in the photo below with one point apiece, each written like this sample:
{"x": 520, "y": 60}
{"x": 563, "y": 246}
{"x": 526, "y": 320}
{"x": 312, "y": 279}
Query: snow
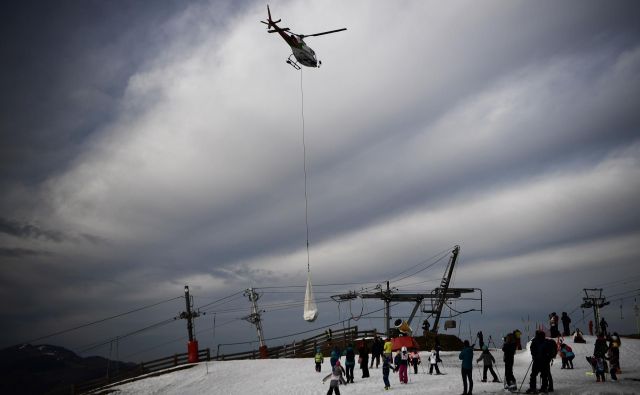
{"x": 298, "y": 376}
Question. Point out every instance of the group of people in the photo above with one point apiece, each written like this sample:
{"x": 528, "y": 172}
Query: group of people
{"x": 543, "y": 352}
{"x": 343, "y": 375}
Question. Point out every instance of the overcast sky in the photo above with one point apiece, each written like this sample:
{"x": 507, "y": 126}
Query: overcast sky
{"x": 148, "y": 145}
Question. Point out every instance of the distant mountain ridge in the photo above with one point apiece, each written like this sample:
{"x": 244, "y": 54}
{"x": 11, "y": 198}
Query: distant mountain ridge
{"x": 48, "y": 369}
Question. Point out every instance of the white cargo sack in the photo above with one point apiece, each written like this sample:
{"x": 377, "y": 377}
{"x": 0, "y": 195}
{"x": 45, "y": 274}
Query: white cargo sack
{"x": 310, "y": 307}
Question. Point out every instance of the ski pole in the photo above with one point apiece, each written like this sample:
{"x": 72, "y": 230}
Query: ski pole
{"x": 525, "y": 376}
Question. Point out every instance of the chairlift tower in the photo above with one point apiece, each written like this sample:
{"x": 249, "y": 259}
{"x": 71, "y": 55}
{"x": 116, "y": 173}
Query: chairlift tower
{"x": 254, "y": 317}
{"x": 440, "y": 295}
{"x": 594, "y": 299}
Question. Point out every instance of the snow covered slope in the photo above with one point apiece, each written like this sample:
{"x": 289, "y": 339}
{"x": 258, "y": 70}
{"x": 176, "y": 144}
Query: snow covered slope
{"x": 297, "y": 376}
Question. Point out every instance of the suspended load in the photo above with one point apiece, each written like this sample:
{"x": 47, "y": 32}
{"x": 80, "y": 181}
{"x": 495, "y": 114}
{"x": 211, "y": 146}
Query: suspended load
{"x": 310, "y": 307}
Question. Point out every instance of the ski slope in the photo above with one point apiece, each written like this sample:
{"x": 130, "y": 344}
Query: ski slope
{"x": 297, "y": 376}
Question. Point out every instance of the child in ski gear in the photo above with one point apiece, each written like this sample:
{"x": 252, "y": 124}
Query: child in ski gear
{"x": 600, "y": 367}
{"x": 567, "y": 356}
{"x": 509, "y": 351}
{"x": 386, "y": 366}
{"x": 350, "y": 362}
{"x": 336, "y": 379}
{"x": 319, "y": 359}
{"x": 466, "y": 355}
{"x": 433, "y": 362}
{"x": 414, "y": 359}
{"x": 488, "y": 361}
{"x": 403, "y": 365}
{"x": 565, "y": 323}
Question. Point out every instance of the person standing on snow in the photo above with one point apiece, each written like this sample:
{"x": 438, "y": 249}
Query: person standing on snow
{"x": 386, "y": 366}
{"x": 480, "y": 337}
{"x": 509, "y": 351}
{"x": 336, "y": 379}
{"x": 335, "y": 356}
{"x": 319, "y": 359}
{"x": 376, "y": 351}
{"x": 565, "y": 324}
{"x": 403, "y": 365}
{"x": 516, "y": 336}
{"x": 603, "y": 327}
{"x": 363, "y": 356}
{"x": 350, "y": 362}
{"x": 414, "y": 359}
{"x": 466, "y": 355}
{"x": 433, "y": 362}
{"x": 553, "y": 325}
{"x": 488, "y": 361}
{"x": 388, "y": 348}
{"x": 540, "y": 363}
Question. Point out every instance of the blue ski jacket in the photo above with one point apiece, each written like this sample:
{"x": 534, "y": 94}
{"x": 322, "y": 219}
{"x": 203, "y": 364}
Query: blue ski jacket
{"x": 466, "y": 355}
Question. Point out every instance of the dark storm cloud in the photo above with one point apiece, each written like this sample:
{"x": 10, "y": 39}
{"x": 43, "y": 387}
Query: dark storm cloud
{"x": 21, "y": 253}
{"x": 160, "y": 146}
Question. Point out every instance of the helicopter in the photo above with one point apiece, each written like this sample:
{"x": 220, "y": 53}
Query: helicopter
{"x": 302, "y": 53}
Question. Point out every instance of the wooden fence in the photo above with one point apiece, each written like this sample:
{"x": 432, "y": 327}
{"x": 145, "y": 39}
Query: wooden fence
{"x": 303, "y": 348}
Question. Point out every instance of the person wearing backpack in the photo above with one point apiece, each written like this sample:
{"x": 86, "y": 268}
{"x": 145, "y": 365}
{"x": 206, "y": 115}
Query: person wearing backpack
{"x": 567, "y": 356}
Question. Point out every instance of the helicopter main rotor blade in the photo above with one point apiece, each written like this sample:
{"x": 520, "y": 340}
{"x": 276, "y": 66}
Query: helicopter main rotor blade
{"x": 320, "y": 34}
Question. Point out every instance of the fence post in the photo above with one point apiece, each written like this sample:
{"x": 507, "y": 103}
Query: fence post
{"x": 208, "y": 355}
{"x": 175, "y": 359}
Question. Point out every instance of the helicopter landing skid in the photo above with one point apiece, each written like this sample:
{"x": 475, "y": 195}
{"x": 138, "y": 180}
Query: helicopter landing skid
{"x": 293, "y": 63}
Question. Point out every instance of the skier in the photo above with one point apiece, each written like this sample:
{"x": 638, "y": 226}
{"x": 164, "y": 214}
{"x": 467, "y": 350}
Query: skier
{"x": 386, "y": 365}
{"x": 509, "y": 350}
{"x": 336, "y": 379}
{"x": 402, "y": 365}
{"x": 565, "y": 324}
{"x": 363, "y": 353}
{"x": 603, "y": 326}
{"x": 567, "y": 356}
{"x": 350, "y": 362}
{"x": 433, "y": 362}
{"x": 319, "y": 358}
{"x": 540, "y": 364}
{"x": 414, "y": 358}
{"x": 488, "y": 361}
{"x": 466, "y": 355}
